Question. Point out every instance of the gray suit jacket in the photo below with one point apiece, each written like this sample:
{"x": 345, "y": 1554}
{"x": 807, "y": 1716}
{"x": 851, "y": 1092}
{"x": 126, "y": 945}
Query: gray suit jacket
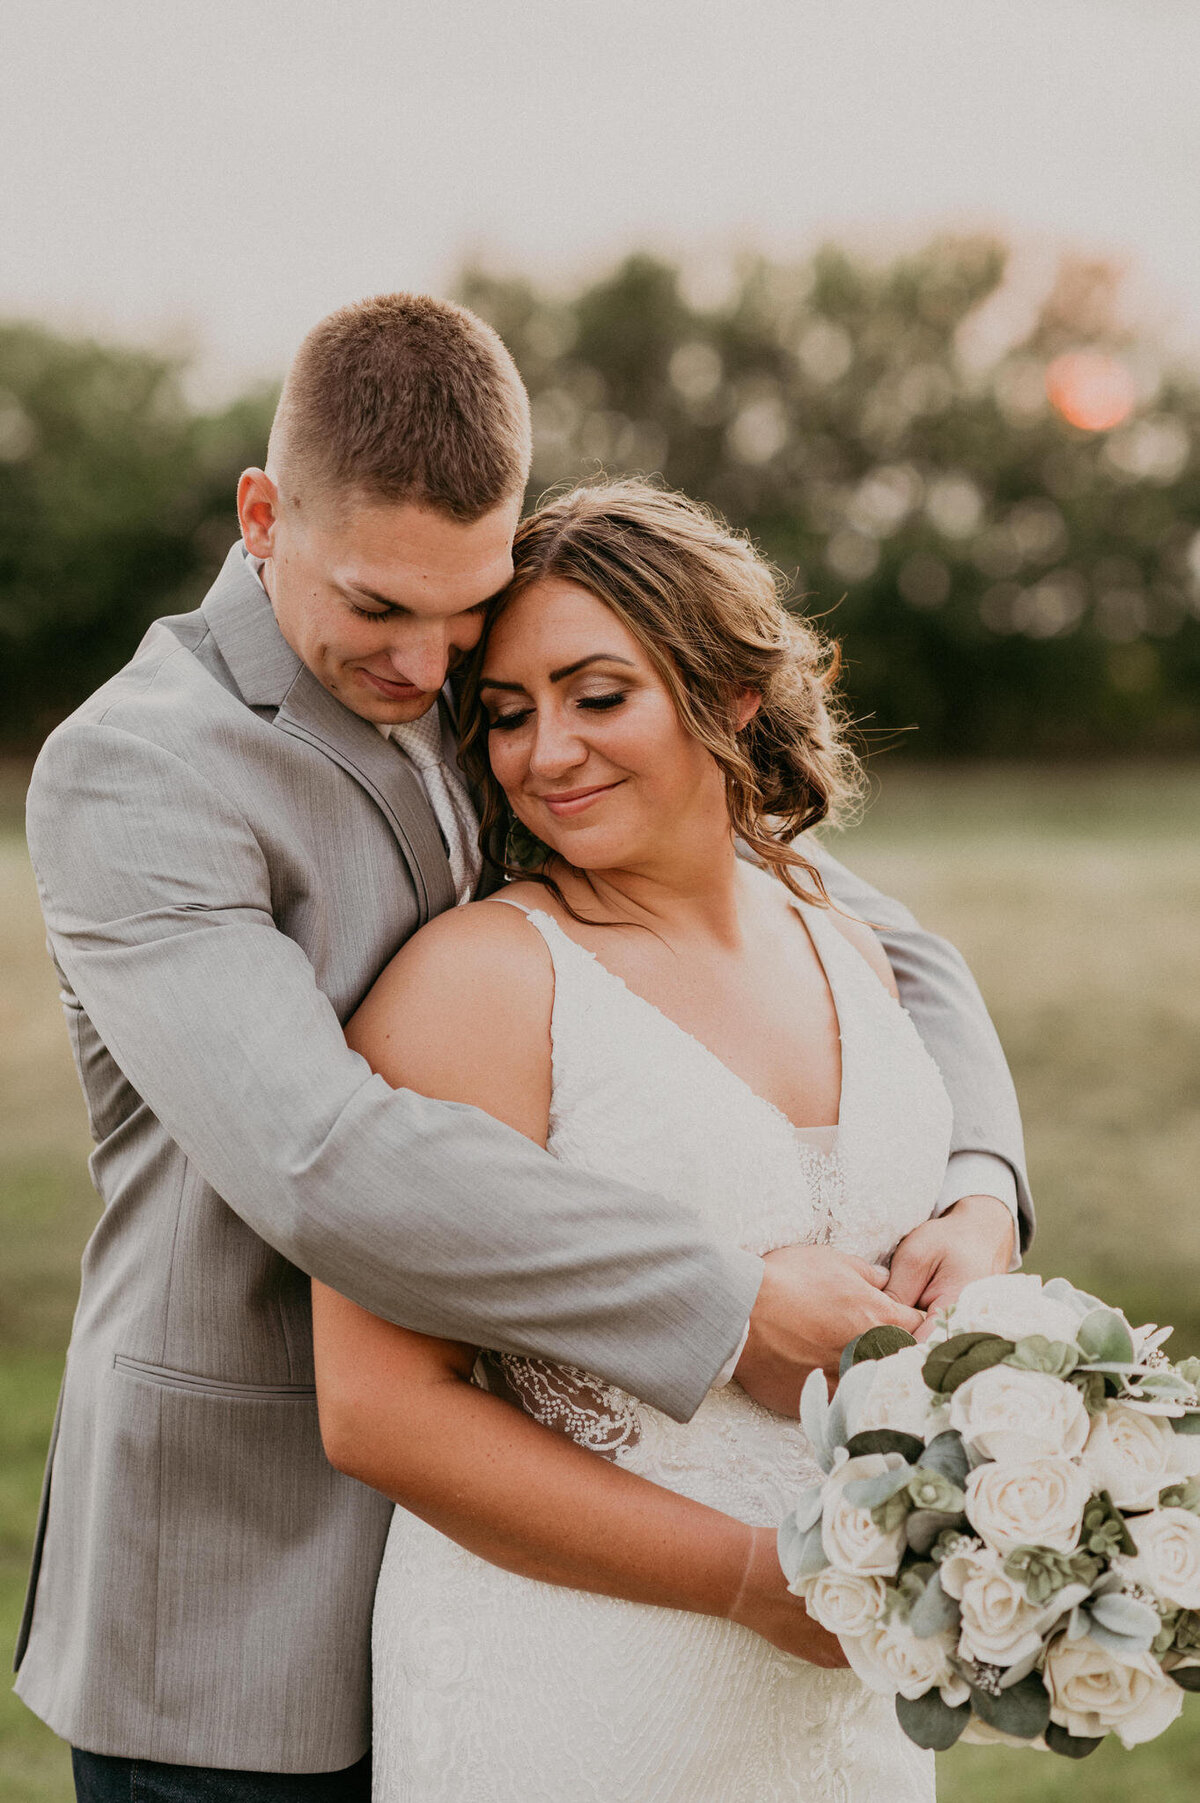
{"x": 226, "y": 859}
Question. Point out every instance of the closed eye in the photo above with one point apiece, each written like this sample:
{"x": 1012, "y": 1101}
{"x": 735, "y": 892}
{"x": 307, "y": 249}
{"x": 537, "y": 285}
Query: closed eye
{"x": 602, "y": 703}
{"x": 509, "y": 722}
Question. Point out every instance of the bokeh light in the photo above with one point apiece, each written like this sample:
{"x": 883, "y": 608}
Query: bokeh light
{"x": 1091, "y": 390}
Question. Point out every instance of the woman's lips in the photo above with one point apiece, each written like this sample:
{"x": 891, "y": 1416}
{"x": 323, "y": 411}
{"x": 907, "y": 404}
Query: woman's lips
{"x": 574, "y": 801}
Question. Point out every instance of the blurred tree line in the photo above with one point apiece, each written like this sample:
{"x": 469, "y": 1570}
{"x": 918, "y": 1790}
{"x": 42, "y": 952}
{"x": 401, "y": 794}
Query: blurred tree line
{"x": 998, "y": 515}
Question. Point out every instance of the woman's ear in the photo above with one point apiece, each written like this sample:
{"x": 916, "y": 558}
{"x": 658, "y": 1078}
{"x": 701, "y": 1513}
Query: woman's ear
{"x": 746, "y": 703}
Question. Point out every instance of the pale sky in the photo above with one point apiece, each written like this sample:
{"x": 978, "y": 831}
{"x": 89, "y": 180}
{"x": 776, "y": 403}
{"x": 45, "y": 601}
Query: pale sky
{"x": 222, "y": 174}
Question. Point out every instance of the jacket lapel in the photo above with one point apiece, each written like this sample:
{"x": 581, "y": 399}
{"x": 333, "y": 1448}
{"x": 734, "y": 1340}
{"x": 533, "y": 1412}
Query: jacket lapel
{"x": 270, "y": 675}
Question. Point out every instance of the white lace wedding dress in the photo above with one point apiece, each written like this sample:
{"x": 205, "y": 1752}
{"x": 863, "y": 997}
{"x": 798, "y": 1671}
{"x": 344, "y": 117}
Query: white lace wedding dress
{"x": 494, "y": 1688}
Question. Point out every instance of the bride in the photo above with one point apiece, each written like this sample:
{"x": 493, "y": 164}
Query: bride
{"x": 549, "y": 1625}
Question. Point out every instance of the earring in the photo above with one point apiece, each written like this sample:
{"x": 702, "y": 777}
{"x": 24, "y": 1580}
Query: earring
{"x": 523, "y": 848}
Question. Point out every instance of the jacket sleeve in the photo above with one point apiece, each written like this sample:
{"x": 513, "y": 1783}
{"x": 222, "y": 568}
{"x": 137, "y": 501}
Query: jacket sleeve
{"x": 157, "y": 901}
{"x": 948, "y": 1011}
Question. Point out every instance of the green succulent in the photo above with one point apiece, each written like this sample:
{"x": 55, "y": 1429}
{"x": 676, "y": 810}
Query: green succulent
{"x": 1044, "y": 1573}
{"x": 930, "y": 1490}
{"x": 1057, "y": 1358}
{"x": 1104, "y": 1531}
{"x": 1184, "y": 1495}
{"x": 891, "y": 1513}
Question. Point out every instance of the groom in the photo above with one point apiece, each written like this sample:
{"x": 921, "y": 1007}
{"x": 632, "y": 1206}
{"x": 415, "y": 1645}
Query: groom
{"x": 231, "y": 838}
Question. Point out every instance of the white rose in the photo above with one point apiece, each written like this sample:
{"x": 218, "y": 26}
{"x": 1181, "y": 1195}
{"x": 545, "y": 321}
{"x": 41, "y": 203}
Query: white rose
{"x": 1013, "y": 1306}
{"x": 1037, "y": 1503}
{"x": 889, "y": 1658}
{"x": 899, "y": 1397}
{"x": 1000, "y": 1626}
{"x": 1019, "y": 1415}
{"x": 1185, "y": 1455}
{"x": 1168, "y": 1555}
{"x": 843, "y": 1601}
{"x": 849, "y": 1536}
{"x": 1130, "y": 1454}
{"x": 1094, "y": 1692}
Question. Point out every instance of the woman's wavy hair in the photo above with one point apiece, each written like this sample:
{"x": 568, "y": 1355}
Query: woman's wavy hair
{"x": 711, "y": 616}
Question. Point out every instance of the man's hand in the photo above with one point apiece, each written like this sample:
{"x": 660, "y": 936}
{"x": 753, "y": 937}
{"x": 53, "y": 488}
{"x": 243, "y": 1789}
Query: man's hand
{"x": 812, "y": 1301}
{"x": 939, "y": 1258}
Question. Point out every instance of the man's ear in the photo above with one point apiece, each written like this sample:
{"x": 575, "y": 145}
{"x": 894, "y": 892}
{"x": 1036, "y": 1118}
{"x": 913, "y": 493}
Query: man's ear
{"x": 746, "y": 703}
{"x": 258, "y": 511}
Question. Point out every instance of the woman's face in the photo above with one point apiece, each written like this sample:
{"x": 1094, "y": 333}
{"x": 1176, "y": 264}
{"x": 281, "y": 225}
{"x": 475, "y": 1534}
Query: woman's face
{"x": 583, "y": 734}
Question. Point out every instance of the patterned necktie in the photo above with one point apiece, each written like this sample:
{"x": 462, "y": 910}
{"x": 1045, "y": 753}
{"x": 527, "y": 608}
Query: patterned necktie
{"x": 421, "y": 741}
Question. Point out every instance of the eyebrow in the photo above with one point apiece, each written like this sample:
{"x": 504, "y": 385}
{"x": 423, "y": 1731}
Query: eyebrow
{"x": 597, "y": 657}
{"x": 359, "y": 591}
{"x": 362, "y": 593}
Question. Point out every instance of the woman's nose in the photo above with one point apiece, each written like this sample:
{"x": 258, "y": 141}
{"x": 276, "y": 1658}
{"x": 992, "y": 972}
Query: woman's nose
{"x": 555, "y": 746}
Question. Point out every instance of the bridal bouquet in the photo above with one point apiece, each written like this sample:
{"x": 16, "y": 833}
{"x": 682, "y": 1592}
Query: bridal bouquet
{"x": 1007, "y": 1538}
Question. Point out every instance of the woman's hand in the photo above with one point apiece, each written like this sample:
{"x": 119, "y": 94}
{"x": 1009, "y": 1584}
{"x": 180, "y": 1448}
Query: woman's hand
{"x": 766, "y": 1606}
{"x": 939, "y": 1258}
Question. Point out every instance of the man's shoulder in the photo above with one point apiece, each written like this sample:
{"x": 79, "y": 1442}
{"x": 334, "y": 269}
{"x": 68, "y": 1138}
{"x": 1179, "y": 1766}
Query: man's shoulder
{"x": 170, "y": 697}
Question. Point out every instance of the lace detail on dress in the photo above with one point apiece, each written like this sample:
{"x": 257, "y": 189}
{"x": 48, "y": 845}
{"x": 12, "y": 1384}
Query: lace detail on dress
{"x": 573, "y": 1402}
{"x": 491, "y": 1688}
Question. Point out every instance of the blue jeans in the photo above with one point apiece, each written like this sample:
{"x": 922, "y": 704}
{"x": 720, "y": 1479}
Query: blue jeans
{"x": 100, "y": 1779}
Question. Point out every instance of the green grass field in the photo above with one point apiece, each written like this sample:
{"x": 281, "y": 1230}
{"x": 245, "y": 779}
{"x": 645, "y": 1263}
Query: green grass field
{"x": 1076, "y": 896}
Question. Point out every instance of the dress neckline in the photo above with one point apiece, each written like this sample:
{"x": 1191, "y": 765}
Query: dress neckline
{"x": 831, "y": 1132}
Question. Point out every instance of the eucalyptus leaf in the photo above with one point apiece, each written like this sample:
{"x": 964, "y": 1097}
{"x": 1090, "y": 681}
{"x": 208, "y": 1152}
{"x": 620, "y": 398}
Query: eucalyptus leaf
{"x": 880, "y": 1342}
{"x": 934, "y": 1611}
{"x": 948, "y": 1454}
{"x": 1186, "y": 1676}
{"x": 930, "y": 1722}
{"x": 1071, "y": 1746}
{"x": 886, "y": 1439}
{"x": 1104, "y": 1334}
{"x": 847, "y": 1358}
{"x": 1187, "y": 1424}
{"x": 962, "y": 1356}
{"x": 1023, "y": 1711}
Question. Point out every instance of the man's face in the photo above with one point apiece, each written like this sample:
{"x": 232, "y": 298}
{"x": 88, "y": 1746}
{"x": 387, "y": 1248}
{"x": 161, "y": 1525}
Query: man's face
{"x": 379, "y": 599}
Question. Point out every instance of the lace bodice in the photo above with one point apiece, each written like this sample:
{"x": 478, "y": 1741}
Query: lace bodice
{"x": 493, "y": 1688}
{"x": 636, "y": 1097}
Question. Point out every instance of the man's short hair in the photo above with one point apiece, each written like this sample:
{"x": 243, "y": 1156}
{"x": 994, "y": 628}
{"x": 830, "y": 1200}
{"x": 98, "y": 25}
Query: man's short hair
{"x": 404, "y": 398}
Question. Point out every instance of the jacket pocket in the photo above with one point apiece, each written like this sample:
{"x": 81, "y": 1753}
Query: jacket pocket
{"x": 170, "y": 1379}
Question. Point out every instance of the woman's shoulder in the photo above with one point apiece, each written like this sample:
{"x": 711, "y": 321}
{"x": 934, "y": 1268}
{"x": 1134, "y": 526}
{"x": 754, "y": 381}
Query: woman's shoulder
{"x": 484, "y": 948}
{"x": 858, "y": 932}
{"x": 865, "y": 941}
{"x": 463, "y": 1012}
